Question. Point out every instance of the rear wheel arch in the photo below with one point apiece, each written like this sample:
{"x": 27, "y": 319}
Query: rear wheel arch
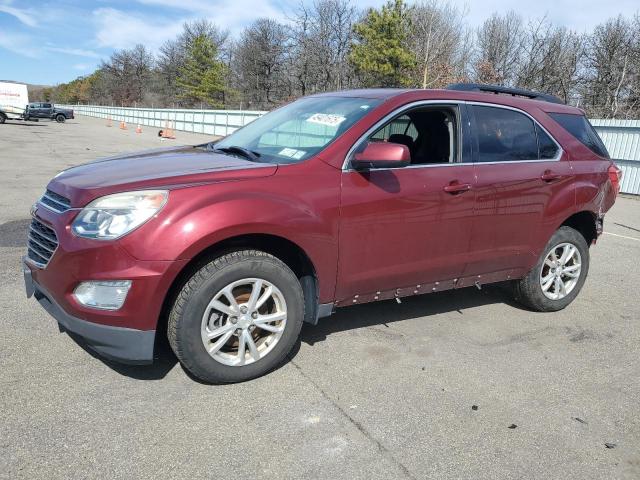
{"x": 585, "y": 222}
{"x": 283, "y": 249}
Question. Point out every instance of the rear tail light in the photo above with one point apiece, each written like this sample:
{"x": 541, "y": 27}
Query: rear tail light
{"x": 615, "y": 175}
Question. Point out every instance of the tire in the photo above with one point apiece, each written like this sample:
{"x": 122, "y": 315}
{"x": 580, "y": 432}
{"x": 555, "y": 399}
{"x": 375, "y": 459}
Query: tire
{"x": 530, "y": 290}
{"x": 3, "y": 118}
{"x": 192, "y": 317}
{"x": 60, "y": 118}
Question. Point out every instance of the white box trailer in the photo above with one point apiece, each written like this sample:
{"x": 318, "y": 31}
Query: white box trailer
{"x": 14, "y": 97}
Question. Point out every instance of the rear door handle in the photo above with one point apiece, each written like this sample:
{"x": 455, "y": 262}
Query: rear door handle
{"x": 454, "y": 188}
{"x": 549, "y": 176}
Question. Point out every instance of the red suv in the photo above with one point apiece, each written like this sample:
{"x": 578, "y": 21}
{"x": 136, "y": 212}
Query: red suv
{"x": 332, "y": 200}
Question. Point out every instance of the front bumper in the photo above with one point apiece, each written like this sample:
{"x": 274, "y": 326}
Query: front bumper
{"x": 122, "y": 344}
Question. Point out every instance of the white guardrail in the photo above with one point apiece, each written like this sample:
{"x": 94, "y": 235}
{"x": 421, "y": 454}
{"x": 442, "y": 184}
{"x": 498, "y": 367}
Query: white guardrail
{"x": 622, "y": 137}
{"x": 209, "y": 122}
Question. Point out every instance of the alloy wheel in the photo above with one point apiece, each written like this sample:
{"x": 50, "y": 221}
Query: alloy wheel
{"x": 560, "y": 271}
{"x": 244, "y": 321}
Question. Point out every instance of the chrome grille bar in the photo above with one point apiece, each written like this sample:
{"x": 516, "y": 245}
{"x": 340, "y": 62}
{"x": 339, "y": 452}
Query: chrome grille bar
{"x": 42, "y": 243}
{"x": 55, "y": 202}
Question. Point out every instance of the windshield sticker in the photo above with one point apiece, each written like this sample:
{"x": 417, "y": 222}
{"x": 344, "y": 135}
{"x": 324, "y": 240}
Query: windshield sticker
{"x": 292, "y": 153}
{"x": 326, "y": 119}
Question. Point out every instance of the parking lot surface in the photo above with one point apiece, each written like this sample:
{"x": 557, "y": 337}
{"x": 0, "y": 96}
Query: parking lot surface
{"x": 463, "y": 384}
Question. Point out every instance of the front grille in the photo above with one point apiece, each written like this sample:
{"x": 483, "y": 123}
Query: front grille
{"x": 55, "y": 202}
{"x": 42, "y": 243}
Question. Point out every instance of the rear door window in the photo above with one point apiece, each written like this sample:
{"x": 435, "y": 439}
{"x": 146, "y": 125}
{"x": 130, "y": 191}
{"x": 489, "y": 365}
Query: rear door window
{"x": 579, "y": 127}
{"x": 547, "y": 147}
{"x": 504, "y": 135}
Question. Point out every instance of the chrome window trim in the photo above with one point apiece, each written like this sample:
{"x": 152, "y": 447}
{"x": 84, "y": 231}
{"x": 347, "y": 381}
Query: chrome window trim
{"x": 535, "y": 122}
{"x": 387, "y": 118}
{"x": 403, "y": 108}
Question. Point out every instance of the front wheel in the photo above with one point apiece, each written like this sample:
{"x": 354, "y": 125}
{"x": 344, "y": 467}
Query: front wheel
{"x": 559, "y": 274}
{"x": 60, "y": 118}
{"x": 3, "y": 118}
{"x": 237, "y": 317}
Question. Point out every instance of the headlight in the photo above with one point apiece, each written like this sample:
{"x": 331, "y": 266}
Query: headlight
{"x": 113, "y": 216}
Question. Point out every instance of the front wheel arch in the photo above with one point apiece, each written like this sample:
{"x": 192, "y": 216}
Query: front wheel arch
{"x": 283, "y": 249}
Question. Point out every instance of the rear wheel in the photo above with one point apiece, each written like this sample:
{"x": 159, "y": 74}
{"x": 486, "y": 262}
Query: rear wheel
{"x": 237, "y": 317}
{"x": 559, "y": 275}
{"x": 3, "y": 118}
{"x": 60, "y": 118}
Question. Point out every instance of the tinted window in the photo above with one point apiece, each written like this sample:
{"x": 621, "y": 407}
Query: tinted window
{"x": 504, "y": 135}
{"x": 46, "y": 105}
{"x": 547, "y": 147}
{"x": 579, "y": 127}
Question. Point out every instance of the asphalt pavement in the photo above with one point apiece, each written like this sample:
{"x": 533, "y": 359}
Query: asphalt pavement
{"x": 463, "y": 384}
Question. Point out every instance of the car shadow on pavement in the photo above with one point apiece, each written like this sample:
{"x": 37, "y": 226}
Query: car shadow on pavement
{"x": 389, "y": 311}
{"x": 163, "y": 362}
{"x": 348, "y": 318}
{"x": 23, "y": 124}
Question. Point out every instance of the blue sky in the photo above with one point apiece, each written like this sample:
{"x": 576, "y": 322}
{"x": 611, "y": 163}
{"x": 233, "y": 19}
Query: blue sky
{"x": 53, "y": 41}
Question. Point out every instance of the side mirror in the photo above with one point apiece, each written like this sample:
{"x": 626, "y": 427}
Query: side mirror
{"x": 382, "y": 155}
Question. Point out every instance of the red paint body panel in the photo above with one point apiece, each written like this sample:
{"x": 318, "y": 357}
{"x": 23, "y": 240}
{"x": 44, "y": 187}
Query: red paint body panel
{"x": 393, "y": 231}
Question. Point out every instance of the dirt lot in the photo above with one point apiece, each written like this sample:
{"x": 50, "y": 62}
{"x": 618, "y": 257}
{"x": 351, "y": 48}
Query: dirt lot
{"x": 376, "y": 391}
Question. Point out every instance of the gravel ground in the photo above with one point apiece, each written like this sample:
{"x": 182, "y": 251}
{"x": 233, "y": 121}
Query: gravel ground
{"x": 462, "y": 384}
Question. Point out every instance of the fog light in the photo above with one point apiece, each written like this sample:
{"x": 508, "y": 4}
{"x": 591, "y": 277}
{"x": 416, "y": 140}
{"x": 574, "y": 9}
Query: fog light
{"x": 102, "y": 294}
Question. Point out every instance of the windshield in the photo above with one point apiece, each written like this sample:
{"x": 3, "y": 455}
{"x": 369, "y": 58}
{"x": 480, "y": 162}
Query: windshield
{"x": 296, "y": 131}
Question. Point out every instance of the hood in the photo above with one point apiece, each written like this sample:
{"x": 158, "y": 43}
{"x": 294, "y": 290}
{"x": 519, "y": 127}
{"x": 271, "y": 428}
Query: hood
{"x": 171, "y": 167}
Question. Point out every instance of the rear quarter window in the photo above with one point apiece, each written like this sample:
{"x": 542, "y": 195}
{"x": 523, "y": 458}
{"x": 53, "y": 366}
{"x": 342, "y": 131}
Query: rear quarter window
{"x": 579, "y": 127}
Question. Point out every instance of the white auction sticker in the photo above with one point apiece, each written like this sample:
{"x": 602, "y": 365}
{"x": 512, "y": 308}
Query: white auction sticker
{"x": 292, "y": 153}
{"x": 326, "y": 119}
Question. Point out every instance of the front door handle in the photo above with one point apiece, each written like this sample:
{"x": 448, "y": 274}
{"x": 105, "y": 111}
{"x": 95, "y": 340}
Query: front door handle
{"x": 454, "y": 188}
{"x": 549, "y": 176}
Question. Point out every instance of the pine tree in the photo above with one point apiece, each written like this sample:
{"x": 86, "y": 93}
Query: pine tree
{"x": 379, "y": 53}
{"x": 202, "y": 76}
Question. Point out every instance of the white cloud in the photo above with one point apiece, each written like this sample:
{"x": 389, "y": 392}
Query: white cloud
{"x": 25, "y": 16}
{"x": 75, "y": 51}
{"x": 117, "y": 29}
{"x": 19, "y": 43}
{"x": 231, "y": 15}
{"x": 83, "y": 67}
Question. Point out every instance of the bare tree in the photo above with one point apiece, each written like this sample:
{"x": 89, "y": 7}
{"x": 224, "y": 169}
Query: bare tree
{"x": 128, "y": 73}
{"x": 608, "y": 60}
{"x": 551, "y": 59}
{"x": 498, "y": 50}
{"x": 438, "y": 42}
{"x": 260, "y": 62}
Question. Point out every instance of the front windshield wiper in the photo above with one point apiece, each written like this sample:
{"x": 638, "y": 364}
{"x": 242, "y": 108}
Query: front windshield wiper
{"x": 245, "y": 152}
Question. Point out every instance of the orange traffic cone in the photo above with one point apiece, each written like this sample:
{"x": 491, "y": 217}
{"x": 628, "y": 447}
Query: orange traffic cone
{"x": 139, "y": 129}
{"x": 168, "y": 130}
{"x": 108, "y": 121}
{"x": 123, "y": 125}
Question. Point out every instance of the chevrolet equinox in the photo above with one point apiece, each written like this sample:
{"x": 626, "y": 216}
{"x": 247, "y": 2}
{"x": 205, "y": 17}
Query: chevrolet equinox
{"x": 332, "y": 200}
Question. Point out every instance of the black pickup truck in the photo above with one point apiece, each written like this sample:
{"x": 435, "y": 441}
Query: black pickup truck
{"x": 38, "y": 110}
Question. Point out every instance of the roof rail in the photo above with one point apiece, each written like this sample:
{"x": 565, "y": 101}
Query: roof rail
{"x": 516, "y": 92}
